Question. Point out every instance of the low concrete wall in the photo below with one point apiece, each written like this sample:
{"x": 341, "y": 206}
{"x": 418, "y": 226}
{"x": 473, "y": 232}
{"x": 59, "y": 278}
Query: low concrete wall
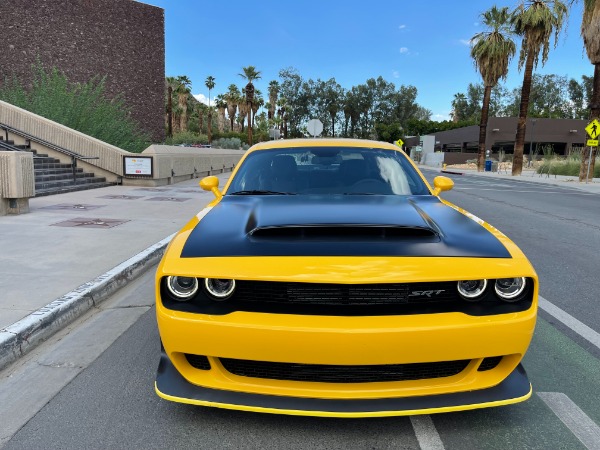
{"x": 110, "y": 157}
{"x": 17, "y": 182}
{"x": 172, "y": 164}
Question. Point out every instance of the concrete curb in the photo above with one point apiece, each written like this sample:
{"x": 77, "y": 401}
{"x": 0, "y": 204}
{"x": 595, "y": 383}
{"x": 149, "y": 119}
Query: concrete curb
{"x": 17, "y": 339}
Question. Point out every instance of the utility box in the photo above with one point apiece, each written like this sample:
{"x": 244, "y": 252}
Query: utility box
{"x": 17, "y": 182}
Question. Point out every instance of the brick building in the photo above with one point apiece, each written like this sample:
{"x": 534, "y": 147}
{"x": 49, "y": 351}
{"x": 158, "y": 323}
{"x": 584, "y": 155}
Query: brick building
{"x": 123, "y": 40}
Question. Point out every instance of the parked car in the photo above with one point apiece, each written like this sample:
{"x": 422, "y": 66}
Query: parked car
{"x": 329, "y": 278}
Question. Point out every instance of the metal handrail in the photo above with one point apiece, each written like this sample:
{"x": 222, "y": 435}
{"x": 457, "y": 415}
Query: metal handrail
{"x": 74, "y": 156}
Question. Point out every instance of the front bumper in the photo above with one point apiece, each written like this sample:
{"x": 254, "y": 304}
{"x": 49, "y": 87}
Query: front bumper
{"x": 170, "y": 385}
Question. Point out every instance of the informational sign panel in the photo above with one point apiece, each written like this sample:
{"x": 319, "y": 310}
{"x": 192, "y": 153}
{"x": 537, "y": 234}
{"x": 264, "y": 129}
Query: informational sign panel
{"x": 400, "y": 143}
{"x": 592, "y": 142}
{"x": 137, "y": 166}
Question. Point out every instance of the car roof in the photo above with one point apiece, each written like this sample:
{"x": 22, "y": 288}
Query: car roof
{"x": 325, "y": 142}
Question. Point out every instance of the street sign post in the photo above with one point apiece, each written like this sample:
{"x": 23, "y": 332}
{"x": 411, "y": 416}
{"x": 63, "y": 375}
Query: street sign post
{"x": 593, "y": 130}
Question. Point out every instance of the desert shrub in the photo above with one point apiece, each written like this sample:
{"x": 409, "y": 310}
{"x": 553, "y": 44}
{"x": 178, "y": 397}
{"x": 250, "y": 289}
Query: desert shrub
{"x": 187, "y": 137}
{"x": 81, "y": 106}
{"x": 232, "y": 143}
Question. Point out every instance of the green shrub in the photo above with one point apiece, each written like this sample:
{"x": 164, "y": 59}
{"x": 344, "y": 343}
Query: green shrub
{"x": 569, "y": 166}
{"x": 232, "y": 143}
{"x": 243, "y": 137}
{"x": 187, "y": 137}
{"x": 81, "y": 106}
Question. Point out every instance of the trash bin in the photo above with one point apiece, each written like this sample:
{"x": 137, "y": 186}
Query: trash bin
{"x": 488, "y": 166}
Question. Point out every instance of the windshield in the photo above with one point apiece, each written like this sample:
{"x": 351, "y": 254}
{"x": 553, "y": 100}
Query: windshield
{"x": 327, "y": 170}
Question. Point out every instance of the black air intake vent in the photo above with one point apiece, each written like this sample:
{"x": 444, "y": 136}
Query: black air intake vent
{"x": 341, "y": 232}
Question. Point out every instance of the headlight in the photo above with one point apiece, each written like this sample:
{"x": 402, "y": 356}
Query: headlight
{"x": 183, "y": 288}
{"x": 471, "y": 289}
{"x": 220, "y": 289}
{"x": 509, "y": 289}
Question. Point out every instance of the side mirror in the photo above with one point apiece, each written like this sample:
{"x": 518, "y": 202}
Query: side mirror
{"x": 442, "y": 184}
{"x": 211, "y": 184}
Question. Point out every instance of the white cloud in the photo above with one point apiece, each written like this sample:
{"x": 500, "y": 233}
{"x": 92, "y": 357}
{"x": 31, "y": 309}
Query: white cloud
{"x": 404, "y": 50}
{"x": 396, "y": 74}
{"x": 440, "y": 117}
{"x": 466, "y": 42}
{"x": 402, "y": 27}
{"x": 203, "y": 99}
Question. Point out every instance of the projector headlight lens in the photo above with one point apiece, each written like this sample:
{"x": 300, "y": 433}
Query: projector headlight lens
{"x": 218, "y": 288}
{"x": 471, "y": 289}
{"x": 182, "y": 288}
{"x": 509, "y": 289}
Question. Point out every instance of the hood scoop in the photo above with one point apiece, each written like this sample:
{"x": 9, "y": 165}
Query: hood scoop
{"x": 341, "y": 232}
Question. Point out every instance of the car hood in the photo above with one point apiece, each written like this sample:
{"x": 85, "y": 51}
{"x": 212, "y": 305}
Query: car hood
{"x": 341, "y": 225}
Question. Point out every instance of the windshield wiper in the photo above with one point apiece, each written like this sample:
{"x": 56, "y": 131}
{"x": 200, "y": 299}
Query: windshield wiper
{"x": 261, "y": 192}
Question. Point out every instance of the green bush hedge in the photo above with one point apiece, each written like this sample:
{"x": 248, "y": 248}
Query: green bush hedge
{"x": 81, "y": 106}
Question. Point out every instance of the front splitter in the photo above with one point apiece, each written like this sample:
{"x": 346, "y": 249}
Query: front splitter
{"x": 170, "y": 385}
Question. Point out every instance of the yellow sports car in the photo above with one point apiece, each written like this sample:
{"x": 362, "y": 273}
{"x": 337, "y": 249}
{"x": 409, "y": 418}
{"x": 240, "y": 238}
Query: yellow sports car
{"x": 328, "y": 278}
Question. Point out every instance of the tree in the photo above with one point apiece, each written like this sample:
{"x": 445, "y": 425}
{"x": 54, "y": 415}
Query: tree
{"x": 183, "y": 92}
{"x": 210, "y": 84}
{"x": 221, "y": 107}
{"x": 590, "y": 30}
{"x": 258, "y": 102}
{"x": 250, "y": 74}
{"x": 536, "y": 21}
{"x": 491, "y": 51}
{"x": 273, "y": 92}
{"x": 232, "y": 98}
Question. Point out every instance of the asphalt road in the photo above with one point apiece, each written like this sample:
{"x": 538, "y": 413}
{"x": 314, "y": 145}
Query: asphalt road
{"x": 98, "y": 388}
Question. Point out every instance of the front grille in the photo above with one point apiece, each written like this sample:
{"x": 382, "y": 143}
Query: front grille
{"x": 342, "y": 374}
{"x": 345, "y": 294}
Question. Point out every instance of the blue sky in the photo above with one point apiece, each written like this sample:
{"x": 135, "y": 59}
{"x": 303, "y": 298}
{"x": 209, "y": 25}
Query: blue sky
{"x": 419, "y": 43}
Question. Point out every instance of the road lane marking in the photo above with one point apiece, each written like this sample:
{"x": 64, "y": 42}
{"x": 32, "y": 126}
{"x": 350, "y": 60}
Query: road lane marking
{"x": 574, "y": 418}
{"x": 567, "y": 319}
{"x": 426, "y": 434}
{"x": 525, "y": 192}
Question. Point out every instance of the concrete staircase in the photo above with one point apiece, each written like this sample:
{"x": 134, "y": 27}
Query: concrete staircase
{"x": 54, "y": 177}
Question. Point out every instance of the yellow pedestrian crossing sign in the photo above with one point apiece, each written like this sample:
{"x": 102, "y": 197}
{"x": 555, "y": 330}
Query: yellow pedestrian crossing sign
{"x": 400, "y": 143}
{"x": 593, "y": 129}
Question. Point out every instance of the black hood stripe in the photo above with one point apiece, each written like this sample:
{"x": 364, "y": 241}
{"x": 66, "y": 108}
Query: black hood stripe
{"x": 339, "y": 226}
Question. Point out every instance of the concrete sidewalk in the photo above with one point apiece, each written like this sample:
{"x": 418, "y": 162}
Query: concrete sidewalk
{"x": 74, "y": 249}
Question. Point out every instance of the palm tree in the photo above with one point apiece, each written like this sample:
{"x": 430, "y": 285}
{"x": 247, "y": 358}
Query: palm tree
{"x": 536, "y": 21}
{"x": 491, "y": 51}
{"x": 273, "y": 92}
{"x": 250, "y": 74}
{"x": 183, "y": 92}
{"x": 256, "y": 104}
{"x": 221, "y": 107}
{"x": 232, "y": 98}
{"x": 170, "y": 82}
{"x": 590, "y": 29}
{"x": 210, "y": 84}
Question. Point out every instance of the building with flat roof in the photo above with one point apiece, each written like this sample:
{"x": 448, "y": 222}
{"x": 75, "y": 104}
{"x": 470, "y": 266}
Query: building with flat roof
{"x": 461, "y": 144}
